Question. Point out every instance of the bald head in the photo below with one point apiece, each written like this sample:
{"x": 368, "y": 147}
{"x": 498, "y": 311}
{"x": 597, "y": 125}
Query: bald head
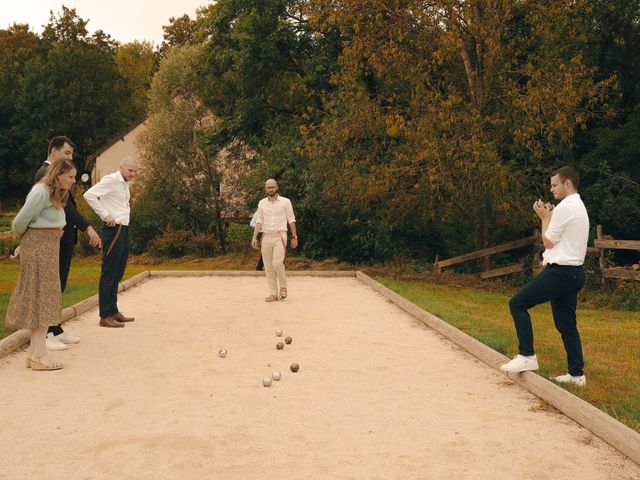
{"x": 271, "y": 187}
{"x": 129, "y": 162}
{"x": 128, "y": 168}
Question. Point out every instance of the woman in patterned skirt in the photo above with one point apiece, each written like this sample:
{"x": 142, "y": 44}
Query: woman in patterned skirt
{"x": 36, "y": 301}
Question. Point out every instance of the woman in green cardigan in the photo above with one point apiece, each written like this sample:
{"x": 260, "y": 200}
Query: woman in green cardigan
{"x": 36, "y": 301}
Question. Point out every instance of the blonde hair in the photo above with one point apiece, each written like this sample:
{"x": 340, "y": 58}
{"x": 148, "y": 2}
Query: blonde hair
{"x": 50, "y": 180}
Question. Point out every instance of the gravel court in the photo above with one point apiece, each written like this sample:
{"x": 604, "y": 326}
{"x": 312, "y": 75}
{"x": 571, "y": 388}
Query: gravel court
{"x": 378, "y": 395}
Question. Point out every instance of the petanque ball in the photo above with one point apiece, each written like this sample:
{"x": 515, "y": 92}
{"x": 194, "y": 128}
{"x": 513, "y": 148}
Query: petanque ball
{"x": 288, "y": 340}
{"x": 276, "y": 376}
{"x": 278, "y": 333}
{"x": 294, "y": 367}
{"x": 279, "y": 345}
{"x": 222, "y": 352}
{"x": 266, "y": 381}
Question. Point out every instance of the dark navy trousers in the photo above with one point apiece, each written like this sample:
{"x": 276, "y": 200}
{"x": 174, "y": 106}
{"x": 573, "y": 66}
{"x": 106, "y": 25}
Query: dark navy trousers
{"x": 560, "y": 285}
{"x": 115, "y": 252}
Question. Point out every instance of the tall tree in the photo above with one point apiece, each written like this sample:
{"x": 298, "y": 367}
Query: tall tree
{"x": 136, "y": 62}
{"x": 17, "y": 46}
{"x": 180, "y": 31}
{"x": 183, "y": 166}
{"x": 72, "y": 88}
{"x": 268, "y": 70}
{"x": 442, "y": 104}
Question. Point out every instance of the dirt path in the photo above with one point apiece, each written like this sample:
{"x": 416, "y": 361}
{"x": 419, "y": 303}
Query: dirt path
{"x": 378, "y": 396}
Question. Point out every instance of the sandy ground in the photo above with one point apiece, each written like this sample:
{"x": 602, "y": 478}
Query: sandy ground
{"x": 378, "y": 396}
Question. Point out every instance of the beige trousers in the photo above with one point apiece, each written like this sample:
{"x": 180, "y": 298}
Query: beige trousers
{"x": 273, "y": 250}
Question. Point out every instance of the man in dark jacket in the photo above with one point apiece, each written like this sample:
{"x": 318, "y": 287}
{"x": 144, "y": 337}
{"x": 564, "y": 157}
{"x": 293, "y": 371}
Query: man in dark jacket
{"x": 62, "y": 147}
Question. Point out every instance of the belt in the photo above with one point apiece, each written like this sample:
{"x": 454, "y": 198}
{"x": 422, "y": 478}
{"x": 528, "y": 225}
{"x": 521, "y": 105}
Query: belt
{"x": 557, "y": 265}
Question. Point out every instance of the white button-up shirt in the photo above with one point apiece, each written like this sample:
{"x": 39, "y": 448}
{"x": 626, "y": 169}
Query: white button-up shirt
{"x": 110, "y": 196}
{"x": 274, "y": 216}
{"x": 568, "y": 230}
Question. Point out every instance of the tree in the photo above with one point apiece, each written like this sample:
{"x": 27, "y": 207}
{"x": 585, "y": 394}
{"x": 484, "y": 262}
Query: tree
{"x": 64, "y": 84}
{"x": 609, "y": 151}
{"x": 137, "y": 62}
{"x": 76, "y": 91}
{"x": 268, "y": 70}
{"x": 67, "y": 27}
{"x": 17, "y": 46}
{"x": 200, "y": 179}
{"x": 442, "y": 105}
{"x": 180, "y": 31}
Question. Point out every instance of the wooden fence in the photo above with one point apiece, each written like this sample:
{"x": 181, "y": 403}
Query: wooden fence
{"x": 600, "y": 245}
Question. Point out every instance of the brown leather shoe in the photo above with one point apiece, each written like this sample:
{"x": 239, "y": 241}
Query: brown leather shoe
{"x": 110, "y": 322}
{"x": 121, "y": 318}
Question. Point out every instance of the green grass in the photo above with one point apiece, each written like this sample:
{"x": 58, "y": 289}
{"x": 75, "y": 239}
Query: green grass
{"x": 611, "y": 340}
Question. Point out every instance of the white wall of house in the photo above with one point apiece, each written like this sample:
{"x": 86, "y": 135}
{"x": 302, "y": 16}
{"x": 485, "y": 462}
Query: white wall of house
{"x": 109, "y": 160}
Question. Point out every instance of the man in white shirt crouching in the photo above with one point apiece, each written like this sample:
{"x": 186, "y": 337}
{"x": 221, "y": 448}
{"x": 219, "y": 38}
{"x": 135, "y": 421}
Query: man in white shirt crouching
{"x": 109, "y": 198}
{"x": 565, "y": 232}
{"x": 273, "y": 215}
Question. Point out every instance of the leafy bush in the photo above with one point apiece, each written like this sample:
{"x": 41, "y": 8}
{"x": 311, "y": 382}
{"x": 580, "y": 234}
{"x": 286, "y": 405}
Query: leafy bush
{"x": 171, "y": 243}
{"x": 8, "y": 244}
{"x": 239, "y": 236}
{"x": 5, "y": 223}
{"x": 203, "y": 245}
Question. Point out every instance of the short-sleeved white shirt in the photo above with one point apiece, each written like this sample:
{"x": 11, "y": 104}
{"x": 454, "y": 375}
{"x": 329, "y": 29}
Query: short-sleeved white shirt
{"x": 274, "y": 216}
{"x": 569, "y": 232}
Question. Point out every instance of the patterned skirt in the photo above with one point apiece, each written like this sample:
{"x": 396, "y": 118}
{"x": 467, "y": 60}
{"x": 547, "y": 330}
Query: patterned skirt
{"x": 36, "y": 301}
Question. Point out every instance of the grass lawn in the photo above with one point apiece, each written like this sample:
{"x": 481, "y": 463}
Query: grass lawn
{"x": 611, "y": 338}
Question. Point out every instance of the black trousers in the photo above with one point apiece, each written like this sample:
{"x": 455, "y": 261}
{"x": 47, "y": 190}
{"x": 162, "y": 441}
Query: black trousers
{"x": 115, "y": 252}
{"x": 66, "y": 253}
{"x": 260, "y": 264}
{"x": 560, "y": 285}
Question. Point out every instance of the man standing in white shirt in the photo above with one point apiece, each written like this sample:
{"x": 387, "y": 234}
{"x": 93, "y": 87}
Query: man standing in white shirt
{"x": 109, "y": 198}
{"x": 565, "y": 232}
{"x": 273, "y": 215}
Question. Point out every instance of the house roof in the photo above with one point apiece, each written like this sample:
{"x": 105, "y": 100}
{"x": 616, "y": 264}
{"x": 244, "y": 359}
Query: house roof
{"x": 90, "y": 160}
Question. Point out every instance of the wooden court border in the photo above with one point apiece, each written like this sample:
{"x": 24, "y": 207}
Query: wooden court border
{"x": 613, "y": 432}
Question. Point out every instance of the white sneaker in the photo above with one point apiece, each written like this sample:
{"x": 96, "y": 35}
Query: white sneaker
{"x": 65, "y": 337}
{"x": 53, "y": 344}
{"x": 580, "y": 380}
{"x": 521, "y": 363}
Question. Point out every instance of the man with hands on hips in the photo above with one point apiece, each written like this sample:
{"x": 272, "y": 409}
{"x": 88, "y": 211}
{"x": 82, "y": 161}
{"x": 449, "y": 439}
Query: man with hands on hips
{"x": 109, "y": 198}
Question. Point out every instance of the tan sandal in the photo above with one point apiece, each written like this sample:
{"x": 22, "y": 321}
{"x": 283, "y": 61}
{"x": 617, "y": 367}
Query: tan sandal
{"x": 283, "y": 293}
{"x": 271, "y": 298}
{"x": 38, "y": 365}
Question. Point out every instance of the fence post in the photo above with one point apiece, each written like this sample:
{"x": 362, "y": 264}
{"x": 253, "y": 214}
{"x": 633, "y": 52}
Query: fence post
{"x": 535, "y": 262}
{"x": 601, "y": 262}
{"x": 438, "y": 269}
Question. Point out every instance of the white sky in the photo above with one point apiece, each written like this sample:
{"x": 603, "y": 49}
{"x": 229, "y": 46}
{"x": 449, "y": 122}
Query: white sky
{"x": 124, "y": 20}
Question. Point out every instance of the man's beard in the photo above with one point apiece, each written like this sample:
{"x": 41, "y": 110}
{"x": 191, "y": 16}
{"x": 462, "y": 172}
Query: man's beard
{"x": 271, "y": 194}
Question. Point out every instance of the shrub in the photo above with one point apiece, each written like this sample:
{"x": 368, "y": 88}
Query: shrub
{"x": 171, "y": 243}
{"x": 239, "y": 236}
{"x": 626, "y": 296}
{"x": 8, "y": 244}
{"x": 5, "y": 223}
{"x": 203, "y": 245}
